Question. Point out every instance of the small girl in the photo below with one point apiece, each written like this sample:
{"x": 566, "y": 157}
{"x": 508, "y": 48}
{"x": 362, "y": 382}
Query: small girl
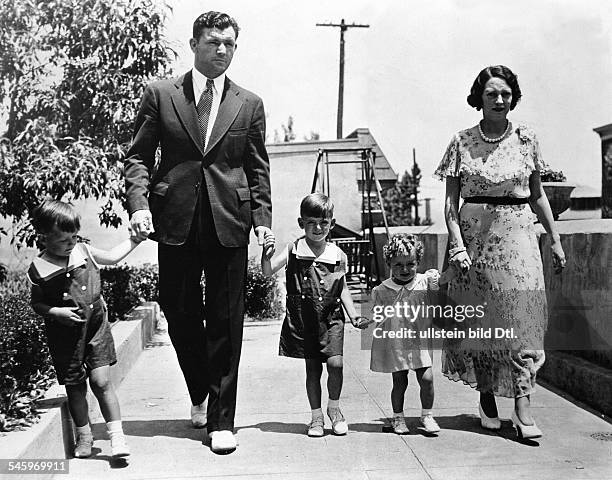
{"x": 65, "y": 279}
{"x": 392, "y": 352}
{"x": 313, "y": 328}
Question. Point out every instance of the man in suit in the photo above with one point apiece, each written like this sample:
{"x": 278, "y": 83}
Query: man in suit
{"x": 211, "y": 185}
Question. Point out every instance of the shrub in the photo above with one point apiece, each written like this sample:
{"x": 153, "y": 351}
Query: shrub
{"x": 25, "y": 365}
{"x": 124, "y": 287}
{"x": 548, "y": 175}
{"x": 261, "y": 295}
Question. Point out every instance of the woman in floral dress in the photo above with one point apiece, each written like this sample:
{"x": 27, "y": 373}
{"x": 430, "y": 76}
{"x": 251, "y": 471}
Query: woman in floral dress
{"x": 495, "y": 167}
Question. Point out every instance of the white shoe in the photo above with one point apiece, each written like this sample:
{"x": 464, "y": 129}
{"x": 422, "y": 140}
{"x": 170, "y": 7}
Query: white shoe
{"x": 339, "y": 425}
{"x": 316, "y": 427}
{"x": 83, "y": 445}
{"x": 399, "y": 425}
{"x": 525, "y": 431}
{"x": 198, "y": 415}
{"x": 488, "y": 423}
{"x": 429, "y": 424}
{"x": 222, "y": 441}
{"x": 119, "y": 447}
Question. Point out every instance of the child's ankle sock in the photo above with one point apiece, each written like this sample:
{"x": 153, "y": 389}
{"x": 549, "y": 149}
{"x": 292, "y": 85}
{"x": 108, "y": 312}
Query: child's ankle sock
{"x": 426, "y": 411}
{"x": 317, "y": 413}
{"x": 398, "y": 414}
{"x": 85, "y": 430}
{"x": 114, "y": 428}
{"x": 331, "y": 404}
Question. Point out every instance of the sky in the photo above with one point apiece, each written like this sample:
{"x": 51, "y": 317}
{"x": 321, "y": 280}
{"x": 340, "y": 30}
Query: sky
{"x": 408, "y": 74}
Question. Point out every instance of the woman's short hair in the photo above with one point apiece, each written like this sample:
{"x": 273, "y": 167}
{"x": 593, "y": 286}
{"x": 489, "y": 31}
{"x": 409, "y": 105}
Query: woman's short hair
{"x": 54, "y": 212}
{"x": 474, "y": 99}
{"x": 403, "y": 244}
{"x": 317, "y": 205}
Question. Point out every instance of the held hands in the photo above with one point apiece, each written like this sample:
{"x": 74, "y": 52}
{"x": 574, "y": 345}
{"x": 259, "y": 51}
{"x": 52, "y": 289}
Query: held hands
{"x": 67, "y": 316}
{"x": 361, "y": 322}
{"x": 266, "y": 238}
{"x": 461, "y": 260}
{"x": 558, "y": 257}
{"x": 141, "y": 224}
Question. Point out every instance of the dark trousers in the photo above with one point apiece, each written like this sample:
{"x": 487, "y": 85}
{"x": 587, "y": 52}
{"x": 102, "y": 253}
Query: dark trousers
{"x": 208, "y": 352}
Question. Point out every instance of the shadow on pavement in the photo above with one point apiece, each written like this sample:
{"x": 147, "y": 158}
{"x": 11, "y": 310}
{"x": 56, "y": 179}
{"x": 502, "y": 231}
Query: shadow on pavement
{"x": 155, "y": 428}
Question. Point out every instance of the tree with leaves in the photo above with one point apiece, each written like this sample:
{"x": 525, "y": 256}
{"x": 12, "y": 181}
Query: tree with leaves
{"x": 400, "y": 200}
{"x": 72, "y": 73}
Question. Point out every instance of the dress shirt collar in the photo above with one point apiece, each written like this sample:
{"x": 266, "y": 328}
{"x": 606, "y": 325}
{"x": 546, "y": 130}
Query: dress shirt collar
{"x": 199, "y": 83}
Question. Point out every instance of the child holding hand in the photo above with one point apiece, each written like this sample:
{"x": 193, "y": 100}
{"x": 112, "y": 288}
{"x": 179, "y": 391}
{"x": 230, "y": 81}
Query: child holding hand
{"x": 66, "y": 291}
{"x": 398, "y": 353}
{"x": 313, "y": 328}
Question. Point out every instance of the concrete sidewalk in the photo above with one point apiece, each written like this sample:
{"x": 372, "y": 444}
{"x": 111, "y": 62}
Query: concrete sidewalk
{"x": 273, "y": 411}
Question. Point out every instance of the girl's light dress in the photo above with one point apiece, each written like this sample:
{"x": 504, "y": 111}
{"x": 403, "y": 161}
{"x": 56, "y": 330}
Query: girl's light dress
{"x": 402, "y": 353}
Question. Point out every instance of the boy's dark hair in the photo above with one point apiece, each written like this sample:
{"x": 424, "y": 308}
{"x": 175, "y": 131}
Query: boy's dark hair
{"x": 317, "y": 205}
{"x": 55, "y": 212}
{"x": 403, "y": 244}
{"x": 213, "y": 20}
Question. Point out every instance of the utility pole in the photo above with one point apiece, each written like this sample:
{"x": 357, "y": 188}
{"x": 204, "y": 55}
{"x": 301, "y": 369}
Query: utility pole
{"x": 416, "y": 178}
{"x": 343, "y": 28}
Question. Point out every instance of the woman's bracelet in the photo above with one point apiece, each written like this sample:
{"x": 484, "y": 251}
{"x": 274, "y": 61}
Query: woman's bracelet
{"x": 454, "y": 251}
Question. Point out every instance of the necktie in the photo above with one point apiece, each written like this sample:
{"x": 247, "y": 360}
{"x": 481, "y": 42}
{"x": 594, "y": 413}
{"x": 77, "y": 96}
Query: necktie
{"x": 204, "y": 106}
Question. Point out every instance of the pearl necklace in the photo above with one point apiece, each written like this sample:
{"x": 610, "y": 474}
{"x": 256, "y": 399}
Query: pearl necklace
{"x": 493, "y": 140}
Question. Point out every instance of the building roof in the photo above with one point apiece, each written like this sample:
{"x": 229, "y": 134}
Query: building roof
{"x": 360, "y": 137}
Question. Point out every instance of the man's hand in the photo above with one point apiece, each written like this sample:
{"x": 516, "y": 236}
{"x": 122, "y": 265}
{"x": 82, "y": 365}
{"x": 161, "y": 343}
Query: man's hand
{"x": 266, "y": 239}
{"x": 66, "y": 316}
{"x": 142, "y": 224}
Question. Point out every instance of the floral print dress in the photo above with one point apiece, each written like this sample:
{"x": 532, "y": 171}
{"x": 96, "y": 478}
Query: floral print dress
{"x": 506, "y": 277}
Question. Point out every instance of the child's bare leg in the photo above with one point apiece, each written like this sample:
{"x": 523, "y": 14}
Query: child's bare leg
{"x": 335, "y": 376}
{"x": 102, "y": 388}
{"x": 314, "y": 370}
{"x": 400, "y": 384}
{"x": 425, "y": 379}
{"x": 77, "y": 403}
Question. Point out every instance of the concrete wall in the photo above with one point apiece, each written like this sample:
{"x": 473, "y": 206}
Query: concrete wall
{"x": 580, "y": 299}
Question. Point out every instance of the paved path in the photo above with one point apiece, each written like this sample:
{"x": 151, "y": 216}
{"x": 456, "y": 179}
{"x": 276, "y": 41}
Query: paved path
{"x": 273, "y": 412}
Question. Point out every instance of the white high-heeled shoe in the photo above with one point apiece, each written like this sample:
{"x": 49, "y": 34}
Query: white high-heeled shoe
{"x": 525, "y": 431}
{"x": 486, "y": 422}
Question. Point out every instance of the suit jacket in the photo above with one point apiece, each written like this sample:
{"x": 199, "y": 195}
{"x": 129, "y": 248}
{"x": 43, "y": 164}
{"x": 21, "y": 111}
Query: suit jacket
{"x": 235, "y": 165}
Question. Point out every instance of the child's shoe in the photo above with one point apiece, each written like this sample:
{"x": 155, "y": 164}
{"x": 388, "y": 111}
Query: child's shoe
{"x": 315, "y": 428}
{"x": 119, "y": 446}
{"x": 339, "y": 425}
{"x": 84, "y": 442}
{"x": 429, "y": 424}
{"x": 399, "y": 425}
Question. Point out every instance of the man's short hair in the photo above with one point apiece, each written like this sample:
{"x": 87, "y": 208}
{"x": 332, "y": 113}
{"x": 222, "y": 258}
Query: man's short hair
{"x": 214, "y": 20}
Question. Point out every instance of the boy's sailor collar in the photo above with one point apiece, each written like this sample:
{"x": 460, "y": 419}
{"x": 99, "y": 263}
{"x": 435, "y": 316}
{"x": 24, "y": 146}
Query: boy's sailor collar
{"x": 396, "y": 286}
{"x": 332, "y": 253}
{"x": 47, "y": 270}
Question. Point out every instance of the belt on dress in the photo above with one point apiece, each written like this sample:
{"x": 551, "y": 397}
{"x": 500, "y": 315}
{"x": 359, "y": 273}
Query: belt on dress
{"x": 497, "y": 200}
